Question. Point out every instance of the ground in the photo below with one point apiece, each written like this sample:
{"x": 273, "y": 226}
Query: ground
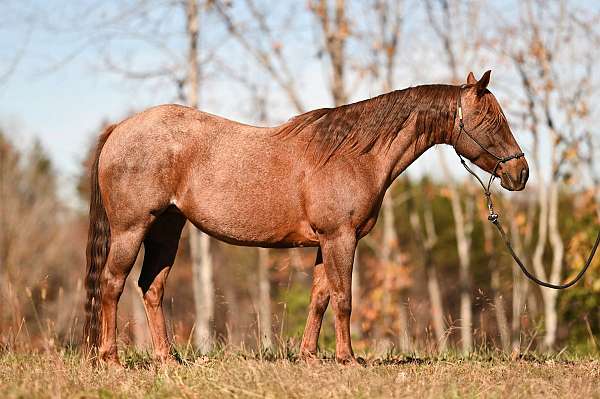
{"x": 224, "y": 375}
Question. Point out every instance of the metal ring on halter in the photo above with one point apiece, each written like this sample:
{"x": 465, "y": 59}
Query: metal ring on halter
{"x": 493, "y": 216}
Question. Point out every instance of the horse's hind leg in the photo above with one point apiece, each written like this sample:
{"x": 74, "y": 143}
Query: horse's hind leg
{"x": 160, "y": 249}
{"x": 124, "y": 248}
{"x": 319, "y": 299}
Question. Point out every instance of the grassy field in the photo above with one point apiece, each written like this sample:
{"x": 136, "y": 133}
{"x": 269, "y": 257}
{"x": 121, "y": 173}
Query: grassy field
{"x": 236, "y": 375}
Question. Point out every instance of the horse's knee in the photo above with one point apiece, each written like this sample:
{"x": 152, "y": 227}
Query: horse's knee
{"x": 320, "y": 300}
{"x": 343, "y": 303}
{"x": 112, "y": 285}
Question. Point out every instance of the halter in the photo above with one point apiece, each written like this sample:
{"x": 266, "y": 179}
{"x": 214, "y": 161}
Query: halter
{"x": 499, "y": 160}
{"x": 493, "y": 216}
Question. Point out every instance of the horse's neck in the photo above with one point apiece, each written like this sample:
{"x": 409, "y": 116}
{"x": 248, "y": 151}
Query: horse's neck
{"x": 405, "y": 149}
{"x": 410, "y": 143}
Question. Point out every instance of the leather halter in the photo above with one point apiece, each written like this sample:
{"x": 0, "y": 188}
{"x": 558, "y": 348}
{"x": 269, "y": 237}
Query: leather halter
{"x": 499, "y": 160}
{"x": 493, "y": 216}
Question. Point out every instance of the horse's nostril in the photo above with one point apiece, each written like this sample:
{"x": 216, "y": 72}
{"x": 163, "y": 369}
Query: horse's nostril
{"x": 524, "y": 175}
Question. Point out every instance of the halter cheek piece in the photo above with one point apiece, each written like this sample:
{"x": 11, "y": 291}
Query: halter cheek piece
{"x": 493, "y": 216}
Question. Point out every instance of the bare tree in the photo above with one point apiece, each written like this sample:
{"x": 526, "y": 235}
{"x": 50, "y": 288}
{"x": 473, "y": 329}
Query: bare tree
{"x": 385, "y": 42}
{"x": 269, "y": 58}
{"x": 202, "y": 265}
{"x": 265, "y": 319}
{"x": 265, "y": 316}
{"x": 557, "y": 105}
{"x": 335, "y": 32}
{"x": 494, "y": 267}
{"x": 463, "y": 229}
{"x": 426, "y": 237}
{"x": 446, "y": 17}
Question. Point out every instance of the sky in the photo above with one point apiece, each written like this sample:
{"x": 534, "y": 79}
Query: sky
{"x": 61, "y": 89}
{"x": 62, "y": 99}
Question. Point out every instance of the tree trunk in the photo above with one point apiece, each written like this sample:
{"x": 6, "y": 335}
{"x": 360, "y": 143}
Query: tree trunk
{"x": 499, "y": 308}
{"x": 265, "y": 321}
{"x": 437, "y": 310}
{"x": 389, "y": 261}
{"x": 463, "y": 227}
{"x": 202, "y": 267}
{"x": 390, "y": 22}
{"x": 233, "y": 315}
{"x": 335, "y": 32}
{"x": 202, "y": 270}
{"x": 548, "y": 226}
{"x": 550, "y": 309}
{"x": 427, "y": 238}
{"x": 519, "y": 288}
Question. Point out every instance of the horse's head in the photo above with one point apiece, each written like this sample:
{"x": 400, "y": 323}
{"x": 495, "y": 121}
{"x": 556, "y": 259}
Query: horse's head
{"x": 487, "y": 140}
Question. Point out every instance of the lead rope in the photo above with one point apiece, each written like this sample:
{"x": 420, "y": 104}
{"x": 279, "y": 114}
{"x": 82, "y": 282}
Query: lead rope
{"x": 495, "y": 219}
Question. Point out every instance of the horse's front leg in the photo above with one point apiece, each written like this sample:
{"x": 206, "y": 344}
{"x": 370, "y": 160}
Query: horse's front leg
{"x": 338, "y": 255}
{"x": 319, "y": 299}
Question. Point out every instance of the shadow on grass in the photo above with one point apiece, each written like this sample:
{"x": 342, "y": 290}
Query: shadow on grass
{"x": 134, "y": 358}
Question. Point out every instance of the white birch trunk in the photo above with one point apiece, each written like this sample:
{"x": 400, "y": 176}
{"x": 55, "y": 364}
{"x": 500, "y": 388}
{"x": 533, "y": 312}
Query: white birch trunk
{"x": 428, "y": 239}
{"x": 202, "y": 270}
{"x": 519, "y": 290}
{"x": 389, "y": 258}
{"x": 500, "y": 310}
{"x": 202, "y": 266}
{"x": 463, "y": 227}
{"x": 265, "y": 321}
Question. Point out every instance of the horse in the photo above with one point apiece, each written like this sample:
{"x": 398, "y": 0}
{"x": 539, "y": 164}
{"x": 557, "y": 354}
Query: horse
{"x": 318, "y": 180}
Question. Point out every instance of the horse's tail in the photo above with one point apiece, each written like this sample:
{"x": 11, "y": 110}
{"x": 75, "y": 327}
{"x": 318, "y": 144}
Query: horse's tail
{"x": 98, "y": 245}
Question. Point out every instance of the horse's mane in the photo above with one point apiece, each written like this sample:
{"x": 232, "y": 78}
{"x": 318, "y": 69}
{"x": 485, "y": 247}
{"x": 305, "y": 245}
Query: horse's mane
{"x": 357, "y": 128}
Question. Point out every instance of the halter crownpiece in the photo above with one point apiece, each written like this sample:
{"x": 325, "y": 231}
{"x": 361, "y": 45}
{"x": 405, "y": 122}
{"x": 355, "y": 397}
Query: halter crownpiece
{"x": 493, "y": 216}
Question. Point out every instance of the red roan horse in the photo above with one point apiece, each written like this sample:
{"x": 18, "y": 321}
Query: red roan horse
{"x": 317, "y": 180}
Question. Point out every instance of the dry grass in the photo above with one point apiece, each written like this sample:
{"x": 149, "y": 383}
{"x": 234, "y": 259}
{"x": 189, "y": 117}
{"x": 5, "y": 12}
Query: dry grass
{"x": 235, "y": 375}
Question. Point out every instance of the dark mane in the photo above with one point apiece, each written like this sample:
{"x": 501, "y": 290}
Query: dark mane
{"x": 358, "y": 127}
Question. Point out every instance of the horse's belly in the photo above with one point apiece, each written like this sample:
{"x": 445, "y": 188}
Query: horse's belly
{"x": 254, "y": 220}
{"x": 253, "y": 230}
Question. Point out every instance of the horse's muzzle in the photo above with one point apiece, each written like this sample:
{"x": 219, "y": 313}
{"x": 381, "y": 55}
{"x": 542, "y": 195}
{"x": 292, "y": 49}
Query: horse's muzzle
{"x": 514, "y": 174}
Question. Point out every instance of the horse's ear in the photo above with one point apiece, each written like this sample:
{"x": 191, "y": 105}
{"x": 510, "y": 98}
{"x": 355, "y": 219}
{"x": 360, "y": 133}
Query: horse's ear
{"x": 483, "y": 82}
{"x": 471, "y": 79}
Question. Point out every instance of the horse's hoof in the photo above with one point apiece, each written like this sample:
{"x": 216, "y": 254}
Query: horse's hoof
{"x": 310, "y": 358}
{"x": 351, "y": 361}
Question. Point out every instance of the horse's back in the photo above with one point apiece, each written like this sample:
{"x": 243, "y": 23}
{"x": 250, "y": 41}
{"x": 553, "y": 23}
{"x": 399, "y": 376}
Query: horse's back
{"x": 235, "y": 181}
